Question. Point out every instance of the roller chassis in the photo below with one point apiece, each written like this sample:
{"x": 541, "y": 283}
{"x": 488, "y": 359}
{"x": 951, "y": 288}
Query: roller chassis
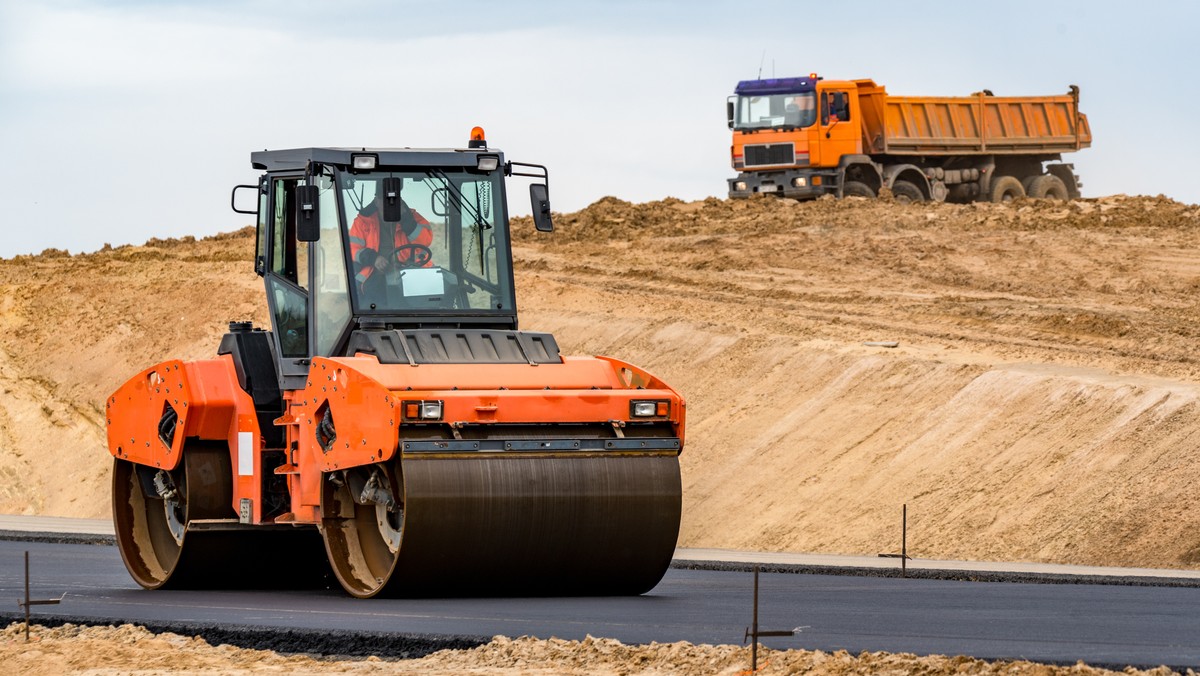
{"x": 535, "y": 476}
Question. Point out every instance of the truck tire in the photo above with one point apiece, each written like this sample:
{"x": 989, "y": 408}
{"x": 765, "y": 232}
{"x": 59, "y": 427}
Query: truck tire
{"x": 907, "y": 193}
{"x": 1005, "y": 189}
{"x": 857, "y": 189}
{"x": 1049, "y": 187}
{"x": 1027, "y": 182}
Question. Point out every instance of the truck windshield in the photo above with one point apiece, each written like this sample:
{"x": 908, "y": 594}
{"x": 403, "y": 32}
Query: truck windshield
{"x": 446, "y": 252}
{"x": 776, "y": 111}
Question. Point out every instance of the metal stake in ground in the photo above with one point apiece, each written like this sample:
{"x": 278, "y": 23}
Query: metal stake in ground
{"x": 903, "y": 542}
{"x": 754, "y": 633}
{"x": 33, "y": 602}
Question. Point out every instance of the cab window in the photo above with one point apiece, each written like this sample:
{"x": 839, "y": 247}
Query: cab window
{"x": 444, "y": 254}
{"x": 287, "y": 259}
{"x": 835, "y": 106}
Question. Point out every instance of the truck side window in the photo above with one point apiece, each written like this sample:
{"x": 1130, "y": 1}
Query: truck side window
{"x": 835, "y": 104}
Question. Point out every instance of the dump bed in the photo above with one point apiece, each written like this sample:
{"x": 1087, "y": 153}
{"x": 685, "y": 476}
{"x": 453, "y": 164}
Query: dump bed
{"x": 970, "y": 125}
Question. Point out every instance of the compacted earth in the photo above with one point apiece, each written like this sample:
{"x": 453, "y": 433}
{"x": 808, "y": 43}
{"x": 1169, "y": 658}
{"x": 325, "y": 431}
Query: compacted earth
{"x": 129, "y": 650}
{"x": 1023, "y": 376}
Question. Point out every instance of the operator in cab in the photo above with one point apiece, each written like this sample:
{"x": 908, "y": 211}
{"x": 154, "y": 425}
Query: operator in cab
{"x": 377, "y": 245}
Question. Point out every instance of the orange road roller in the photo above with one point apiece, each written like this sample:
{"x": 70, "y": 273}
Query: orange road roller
{"x": 394, "y": 430}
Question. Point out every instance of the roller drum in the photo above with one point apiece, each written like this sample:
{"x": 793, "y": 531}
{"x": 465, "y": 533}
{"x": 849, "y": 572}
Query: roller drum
{"x": 161, "y": 550}
{"x": 519, "y": 524}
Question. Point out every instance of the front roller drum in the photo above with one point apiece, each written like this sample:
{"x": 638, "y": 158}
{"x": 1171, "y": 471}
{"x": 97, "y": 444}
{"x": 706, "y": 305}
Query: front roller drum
{"x": 602, "y": 524}
{"x": 152, "y": 510}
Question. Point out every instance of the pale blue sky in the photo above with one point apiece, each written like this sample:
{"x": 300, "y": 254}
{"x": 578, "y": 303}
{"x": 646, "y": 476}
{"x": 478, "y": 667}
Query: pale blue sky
{"x": 121, "y": 121}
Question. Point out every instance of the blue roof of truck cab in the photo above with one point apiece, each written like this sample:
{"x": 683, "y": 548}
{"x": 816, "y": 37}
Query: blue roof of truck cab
{"x": 783, "y": 85}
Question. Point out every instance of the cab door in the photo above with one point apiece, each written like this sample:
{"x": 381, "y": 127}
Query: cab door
{"x": 838, "y": 126}
{"x": 286, "y": 278}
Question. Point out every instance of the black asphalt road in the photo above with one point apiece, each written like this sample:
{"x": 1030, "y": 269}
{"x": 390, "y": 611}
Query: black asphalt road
{"x": 1106, "y": 625}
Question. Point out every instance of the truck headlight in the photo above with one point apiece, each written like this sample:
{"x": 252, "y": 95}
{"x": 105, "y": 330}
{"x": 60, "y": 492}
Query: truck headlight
{"x": 740, "y": 186}
{"x": 800, "y": 182}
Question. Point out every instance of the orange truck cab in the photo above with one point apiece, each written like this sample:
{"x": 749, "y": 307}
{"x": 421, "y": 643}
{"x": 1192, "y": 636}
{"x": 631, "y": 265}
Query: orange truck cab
{"x": 804, "y": 137}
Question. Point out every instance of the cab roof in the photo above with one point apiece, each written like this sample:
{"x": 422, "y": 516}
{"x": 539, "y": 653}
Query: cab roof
{"x": 299, "y": 158}
{"x": 781, "y": 85}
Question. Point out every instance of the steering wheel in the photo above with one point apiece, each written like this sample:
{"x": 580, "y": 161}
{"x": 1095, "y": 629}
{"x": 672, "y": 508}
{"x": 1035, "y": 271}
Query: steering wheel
{"x": 418, "y": 256}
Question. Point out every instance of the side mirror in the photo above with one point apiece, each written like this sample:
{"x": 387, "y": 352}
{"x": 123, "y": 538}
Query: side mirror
{"x": 729, "y": 112}
{"x": 391, "y": 199}
{"x": 833, "y": 122}
{"x": 539, "y": 199}
{"x": 233, "y": 198}
{"x": 308, "y": 215}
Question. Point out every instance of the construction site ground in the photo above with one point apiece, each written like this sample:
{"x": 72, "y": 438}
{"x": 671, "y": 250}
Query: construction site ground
{"x": 1024, "y": 377}
{"x": 130, "y": 650}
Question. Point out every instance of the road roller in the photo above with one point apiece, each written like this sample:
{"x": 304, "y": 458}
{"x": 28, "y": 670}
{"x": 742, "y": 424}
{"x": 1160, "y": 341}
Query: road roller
{"x": 393, "y": 431}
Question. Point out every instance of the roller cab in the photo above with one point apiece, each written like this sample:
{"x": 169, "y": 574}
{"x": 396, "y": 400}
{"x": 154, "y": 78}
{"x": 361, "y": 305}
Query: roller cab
{"x": 394, "y": 431}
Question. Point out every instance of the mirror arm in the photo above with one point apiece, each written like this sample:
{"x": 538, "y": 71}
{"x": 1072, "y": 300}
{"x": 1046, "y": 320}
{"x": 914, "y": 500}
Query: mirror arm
{"x": 544, "y": 175}
{"x": 835, "y": 123}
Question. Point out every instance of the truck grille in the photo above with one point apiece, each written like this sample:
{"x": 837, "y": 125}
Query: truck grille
{"x": 770, "y": 154}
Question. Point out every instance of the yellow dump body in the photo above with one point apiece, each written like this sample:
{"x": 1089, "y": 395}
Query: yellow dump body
{"x": 969, "y": 125}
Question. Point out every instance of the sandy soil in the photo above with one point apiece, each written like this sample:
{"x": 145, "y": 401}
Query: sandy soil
{"x": 1041, "y": 404}
{"x": 129, "y": 650}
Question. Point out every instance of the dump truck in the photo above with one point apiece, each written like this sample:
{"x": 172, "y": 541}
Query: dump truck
{"x": 804, "y": 137}
{"x": 393, "y": 431}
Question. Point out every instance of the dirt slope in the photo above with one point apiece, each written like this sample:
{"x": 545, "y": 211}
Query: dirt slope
{"x": 72, "y": 328}
{"x": 1041, "y": 404}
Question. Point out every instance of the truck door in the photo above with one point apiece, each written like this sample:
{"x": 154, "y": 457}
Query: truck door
{"x": 839, "y": 126}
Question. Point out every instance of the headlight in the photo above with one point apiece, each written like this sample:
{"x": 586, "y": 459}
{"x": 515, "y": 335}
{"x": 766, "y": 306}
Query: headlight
{"x": 740, "y": 186}
{"x": 800, "y": 182}
{"x": 361, "y": 162}
{"x": 649, "y": 409}
{"x": 422, "y": 410}
{"x": 487, "y": 163}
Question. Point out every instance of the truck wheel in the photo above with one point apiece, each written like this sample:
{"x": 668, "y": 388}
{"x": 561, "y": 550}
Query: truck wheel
{"x": 907, "y": 193}
{"x": 1006, "y": 189}
{"x": 857, "y": 189}
{"x": 1048, "y": 187}
{"x": 1027, "y": 182}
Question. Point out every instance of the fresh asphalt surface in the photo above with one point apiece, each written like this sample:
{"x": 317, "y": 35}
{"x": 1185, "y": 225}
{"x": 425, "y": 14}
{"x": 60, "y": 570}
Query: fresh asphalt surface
{"x": 1105, "y": 625}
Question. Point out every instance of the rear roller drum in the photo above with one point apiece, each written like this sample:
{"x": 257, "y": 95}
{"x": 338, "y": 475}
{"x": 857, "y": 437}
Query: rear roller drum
{"x": 151, "y": 508}
{"x": 154, "y": 513}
